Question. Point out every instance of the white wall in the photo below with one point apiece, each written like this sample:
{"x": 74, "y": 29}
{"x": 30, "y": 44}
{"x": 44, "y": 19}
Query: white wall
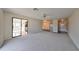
{"x": 34, "y": 25}
{"x": 1, "y": 27}
{"x": 74, "y": 27}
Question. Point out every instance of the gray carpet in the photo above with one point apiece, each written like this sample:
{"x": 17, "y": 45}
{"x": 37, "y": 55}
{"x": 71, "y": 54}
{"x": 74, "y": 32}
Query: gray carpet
{"x": 43, "y": 41}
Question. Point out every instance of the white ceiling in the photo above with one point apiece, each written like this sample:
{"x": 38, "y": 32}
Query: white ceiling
{"x": 51, "y": 12}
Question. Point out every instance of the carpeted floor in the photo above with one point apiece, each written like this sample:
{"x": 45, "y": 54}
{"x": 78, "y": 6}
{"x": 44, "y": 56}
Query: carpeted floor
{"x": 43, "y": 41}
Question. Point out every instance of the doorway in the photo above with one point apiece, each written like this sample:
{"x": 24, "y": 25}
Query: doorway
{"x": 24, "y": 27}
{"x": 19, "y": 27}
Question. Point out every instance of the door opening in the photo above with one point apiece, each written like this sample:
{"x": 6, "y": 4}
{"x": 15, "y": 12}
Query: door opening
{"x": 19, "y": 27}
{"x": 24, "y": 27}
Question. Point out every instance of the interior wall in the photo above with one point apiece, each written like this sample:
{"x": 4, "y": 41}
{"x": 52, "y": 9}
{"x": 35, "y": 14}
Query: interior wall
{"x": 74, "y": 27}
{"x": 1, "y": 27}
{"x": 33, "y": 24}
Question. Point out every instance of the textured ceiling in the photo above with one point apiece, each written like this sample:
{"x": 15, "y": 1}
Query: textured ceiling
{"x": 38, "y": 14}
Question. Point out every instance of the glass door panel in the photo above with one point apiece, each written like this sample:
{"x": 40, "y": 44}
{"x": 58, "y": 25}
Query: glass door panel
{"x": 16, "y": 27}
{"x": 24, "y": 27}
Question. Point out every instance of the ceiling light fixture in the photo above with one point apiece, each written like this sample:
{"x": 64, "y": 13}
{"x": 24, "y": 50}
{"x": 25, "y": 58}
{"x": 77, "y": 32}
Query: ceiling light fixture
{"x": 44, "y": 15}
{"x": 35, "y": 9}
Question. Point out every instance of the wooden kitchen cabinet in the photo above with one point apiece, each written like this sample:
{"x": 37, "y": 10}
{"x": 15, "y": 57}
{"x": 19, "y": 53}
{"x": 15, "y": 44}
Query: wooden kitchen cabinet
{"x": 46, "y": 25}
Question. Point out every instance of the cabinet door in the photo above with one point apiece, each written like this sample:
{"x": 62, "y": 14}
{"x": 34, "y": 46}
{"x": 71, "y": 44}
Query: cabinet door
{"x": 46, "y": 25}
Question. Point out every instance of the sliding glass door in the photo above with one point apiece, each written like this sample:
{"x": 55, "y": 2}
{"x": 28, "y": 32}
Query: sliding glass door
{"x": 17, "y": 25}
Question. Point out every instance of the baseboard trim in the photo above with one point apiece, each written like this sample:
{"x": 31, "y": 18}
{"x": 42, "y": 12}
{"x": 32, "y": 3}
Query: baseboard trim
{"x": 73, "y": 41}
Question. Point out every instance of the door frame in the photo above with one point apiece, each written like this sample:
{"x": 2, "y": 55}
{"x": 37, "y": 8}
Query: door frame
{"x": 12, "y": 27}
{"x": 21, "y": 26}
